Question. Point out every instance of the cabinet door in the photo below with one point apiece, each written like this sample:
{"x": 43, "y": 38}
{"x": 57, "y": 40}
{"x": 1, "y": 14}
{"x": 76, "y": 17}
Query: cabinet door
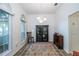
{"x": 45, "y": 33}
{"x": 39, "y": 33}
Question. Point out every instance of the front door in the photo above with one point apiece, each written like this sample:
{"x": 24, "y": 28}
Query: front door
{"x": 42, "y": 33}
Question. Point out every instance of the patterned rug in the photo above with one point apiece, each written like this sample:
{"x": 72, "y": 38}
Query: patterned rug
{"x": 43, "y": 49}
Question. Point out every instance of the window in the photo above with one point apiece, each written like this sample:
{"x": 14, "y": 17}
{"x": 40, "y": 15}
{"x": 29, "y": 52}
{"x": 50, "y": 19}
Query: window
{"x": 4, "y": 31}
{"x": 22, "y": 28}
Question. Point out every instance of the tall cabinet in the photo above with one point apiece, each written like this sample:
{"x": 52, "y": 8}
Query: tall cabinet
{"x": 41, "y": 33}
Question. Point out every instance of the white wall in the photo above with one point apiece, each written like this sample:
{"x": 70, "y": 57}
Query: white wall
{"x": 32, "y": 22}
{"x": 62, "y": 21}
{"x": 16, "y": 43}
{"x": 17, "y": 11}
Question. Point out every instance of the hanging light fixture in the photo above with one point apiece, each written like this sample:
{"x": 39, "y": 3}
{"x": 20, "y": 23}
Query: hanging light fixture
{"x": 41, "y": 19}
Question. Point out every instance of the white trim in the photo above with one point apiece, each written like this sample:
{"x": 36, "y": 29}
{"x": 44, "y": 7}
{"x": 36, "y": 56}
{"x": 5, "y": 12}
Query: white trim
{"x": 66, "y": 51}
{"x": 5, "y": 53}
{"x": 8, "y": 12}
{"x": 7, "y": 8}
{"x": 10, "y": 32}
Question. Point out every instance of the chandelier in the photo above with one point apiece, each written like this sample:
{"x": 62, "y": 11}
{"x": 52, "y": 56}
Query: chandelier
{"x": 41, "y": 19}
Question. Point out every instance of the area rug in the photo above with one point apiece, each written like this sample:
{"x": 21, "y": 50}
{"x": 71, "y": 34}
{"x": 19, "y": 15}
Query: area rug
{"x": 42, "y": 49}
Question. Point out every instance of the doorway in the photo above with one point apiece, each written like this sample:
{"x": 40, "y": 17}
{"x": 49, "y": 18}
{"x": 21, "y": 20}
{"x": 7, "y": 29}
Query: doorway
{"x": 41, "y": 33}
{"x": 74, "y": 32}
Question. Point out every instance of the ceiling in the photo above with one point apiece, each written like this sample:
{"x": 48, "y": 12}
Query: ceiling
{"x": 40, "y": 8}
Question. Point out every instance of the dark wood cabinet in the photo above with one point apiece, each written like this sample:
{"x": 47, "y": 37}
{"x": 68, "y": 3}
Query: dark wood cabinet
{"x": 41, "y": 33}
{"x": 58, "y": 40}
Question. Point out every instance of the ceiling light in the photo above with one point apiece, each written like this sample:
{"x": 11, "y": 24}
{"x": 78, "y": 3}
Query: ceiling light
{"x": 41, "y": 19}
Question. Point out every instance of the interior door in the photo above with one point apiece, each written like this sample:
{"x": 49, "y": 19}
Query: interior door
{"x": 74, "y": 31}
{"x": 42, "y": 33}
